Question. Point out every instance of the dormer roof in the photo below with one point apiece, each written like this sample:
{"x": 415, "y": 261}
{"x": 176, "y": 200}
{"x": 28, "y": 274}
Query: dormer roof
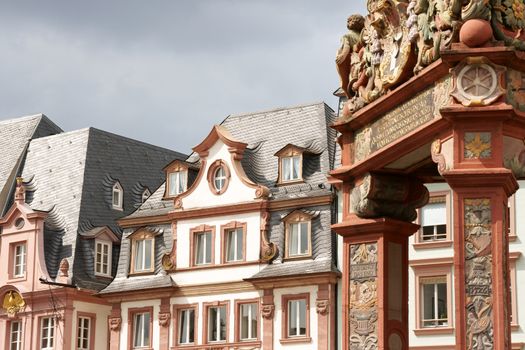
{"x": 219, "y": 132}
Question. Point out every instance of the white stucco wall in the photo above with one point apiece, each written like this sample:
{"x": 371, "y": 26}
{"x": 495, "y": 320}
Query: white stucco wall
{"x": 252, "y": 221}
{"x": 101, "y": 323}
{"x": 237, "y": 192}
{"x": 125, "y": 306}
{"x": 278, "y": 317}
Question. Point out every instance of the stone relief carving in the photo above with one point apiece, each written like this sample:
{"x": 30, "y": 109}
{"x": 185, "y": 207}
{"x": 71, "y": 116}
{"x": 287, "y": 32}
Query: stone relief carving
{"x": 363, "y": 297}
{"x": 514, "y": 156}
{"x": 392, "y": 196}
{"x": 478, "y": 273}
{"x": 477, "y": 145}
{"x": 437, "y": 157}
{"x": 114, "y": 323}
{"x": 267, "y": 311}
{"x": 398, "y": 38}
{"x": 164, "y": 319}
{"x": 478, "y": 82}
{"x": 322, "y": 306}
{"x": 63, "y": 268}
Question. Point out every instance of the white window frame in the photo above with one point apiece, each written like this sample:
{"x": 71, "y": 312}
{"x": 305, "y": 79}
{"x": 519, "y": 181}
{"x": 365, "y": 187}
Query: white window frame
{"x": 297, "y": 320}
{"x": 81, "y": 327}
{"x": 184, "y": 327}
{"x": 435, "y": 236}
{"x": 15, "y": 336}
{"x": 300, "y": 231}
{"x": 143, "y": 342}
{"x": 19, "y": 266}
{"x": 136, "y": 244}
{"x": 235, "y": 233}
{"x": 108, "y": 266}
{"x": 428, "y": 281}
{"x": 217, "y": 323}
{"x": 288, "y": 176}
{"x": 174, "y": 182}
{"x": 49, "y": 338}
{"x": 119, "y": 192}
{"x": 219, "y": 180}
{"x": 206, "y": 242}
{"x": 252, "y": 313}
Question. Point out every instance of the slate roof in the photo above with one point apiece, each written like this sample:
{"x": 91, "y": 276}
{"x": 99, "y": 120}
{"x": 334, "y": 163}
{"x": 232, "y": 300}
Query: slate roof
{"x": 305, "y": 126}
{"x": 70, "y": 176}
{"x": 15, "y": 135}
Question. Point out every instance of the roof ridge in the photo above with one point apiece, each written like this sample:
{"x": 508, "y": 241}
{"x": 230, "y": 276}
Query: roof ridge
{"x": 276, "y": 109}
{"x": 22, "y": 118}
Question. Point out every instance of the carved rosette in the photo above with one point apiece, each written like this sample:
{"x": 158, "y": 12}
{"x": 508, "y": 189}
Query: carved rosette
{"x": 478, "y": 82}
{"x": 478, "y": 273}
{"x": 267, "y": 311}
{"x": 164, "y": 319}
{"x": 322, "y": 306}
{"x": 114, "y": 323}
{"x": 392, "y": 196}
{"x": 363, "y": 296}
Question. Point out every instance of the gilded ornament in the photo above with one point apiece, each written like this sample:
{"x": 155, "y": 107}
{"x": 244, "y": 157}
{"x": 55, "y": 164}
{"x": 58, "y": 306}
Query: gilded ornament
{"x": 13, "y": 303}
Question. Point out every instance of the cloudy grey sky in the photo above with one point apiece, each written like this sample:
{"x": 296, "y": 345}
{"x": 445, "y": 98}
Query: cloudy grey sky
{"x": 165, "y": 71}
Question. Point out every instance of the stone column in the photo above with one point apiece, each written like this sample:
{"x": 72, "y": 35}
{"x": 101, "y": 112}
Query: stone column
{"x": 115, "y": 324}
{"x": 375, "y": 263}
{"x": 267, "y": 312}
{"x": 164, "y": 323}
{"x": 481, "y": 187}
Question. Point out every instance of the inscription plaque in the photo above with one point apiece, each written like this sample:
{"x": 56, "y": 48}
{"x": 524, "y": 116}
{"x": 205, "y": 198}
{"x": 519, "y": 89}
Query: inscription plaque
{"x": 401, "y": 120}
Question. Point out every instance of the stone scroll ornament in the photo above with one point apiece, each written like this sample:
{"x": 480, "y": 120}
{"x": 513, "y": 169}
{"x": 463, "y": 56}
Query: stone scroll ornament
{"x": 363, "y": 297}
{"x": 478, "y": 274}
{"x": 399, "y": 38}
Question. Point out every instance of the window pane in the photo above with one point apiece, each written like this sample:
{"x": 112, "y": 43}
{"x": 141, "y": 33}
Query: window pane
{"x": 147, "y": 254}
{"x": 200, "y": 249}
{"x": 292, "y": 318}
{"x": 248, "y": 324}
{"x": 286, "y": 164}
{"x": 182, "y": 181}
{"x": 186, "y": 326}
{"x": 212, "y": 324}
{"x": 222, "y": 321}
{"x": 146, "y": 330}
{"x": 239, "y": 233}
{"x": 295, "y": 174}
{"x": 304, "y": 238}
{"x": 428, "y": 302}
{"x": 231, "y": 246}
{"x": 302, "y": 317}
{"x": 172, "y": 183}
{"x": 207, "y": 237}
{"x": 139, "y": 327}
{"x": 442, "y": 304}
{"x": 139, "y": 254}
{"x": 294, "y": 239}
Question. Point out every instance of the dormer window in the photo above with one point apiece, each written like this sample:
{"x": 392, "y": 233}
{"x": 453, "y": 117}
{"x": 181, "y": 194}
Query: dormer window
{"x": 291, "y": 168}
{"x": 177, "y": 181}
{"x": 219, "y": 179}
{"x": 103, "y": 258}
{"x": 117, "y": 196}
{"x": 145, "y": 195}
{"x": 142, "y": 252}
{"x": 290, "y": 164}
{"x": 298, "y": 228}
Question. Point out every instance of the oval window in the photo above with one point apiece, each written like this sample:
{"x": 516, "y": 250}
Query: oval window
{"x": 219, "y": 178}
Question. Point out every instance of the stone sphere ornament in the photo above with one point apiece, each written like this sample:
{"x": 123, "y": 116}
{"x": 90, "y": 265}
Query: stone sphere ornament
{"x": 475, "y": 32}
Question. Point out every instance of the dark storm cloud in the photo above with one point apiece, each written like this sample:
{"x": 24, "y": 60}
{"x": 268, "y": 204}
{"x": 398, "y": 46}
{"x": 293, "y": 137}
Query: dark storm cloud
{"x": 166, "y": 71}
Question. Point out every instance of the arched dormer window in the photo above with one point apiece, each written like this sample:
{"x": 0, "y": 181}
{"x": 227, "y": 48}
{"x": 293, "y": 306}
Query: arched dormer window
{"x": 117, "y": 196}
{"x": 145, "y": 194}
{"x": 290, "y": 164}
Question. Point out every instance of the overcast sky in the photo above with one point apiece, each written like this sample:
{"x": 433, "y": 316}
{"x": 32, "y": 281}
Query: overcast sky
{"x": 165, "y": 71}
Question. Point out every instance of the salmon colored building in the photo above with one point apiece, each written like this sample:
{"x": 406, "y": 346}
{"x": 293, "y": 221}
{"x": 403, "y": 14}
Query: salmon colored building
{"x": 59, "y": 240}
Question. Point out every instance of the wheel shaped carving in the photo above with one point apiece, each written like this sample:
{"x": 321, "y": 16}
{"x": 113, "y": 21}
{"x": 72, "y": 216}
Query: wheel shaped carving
{"x": 477, "y": 81}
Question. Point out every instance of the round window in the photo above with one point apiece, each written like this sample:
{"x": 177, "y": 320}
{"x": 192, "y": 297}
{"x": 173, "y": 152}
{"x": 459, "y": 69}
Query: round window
{"x": 219, "y": 178}
{"x": 19, "y": 223}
